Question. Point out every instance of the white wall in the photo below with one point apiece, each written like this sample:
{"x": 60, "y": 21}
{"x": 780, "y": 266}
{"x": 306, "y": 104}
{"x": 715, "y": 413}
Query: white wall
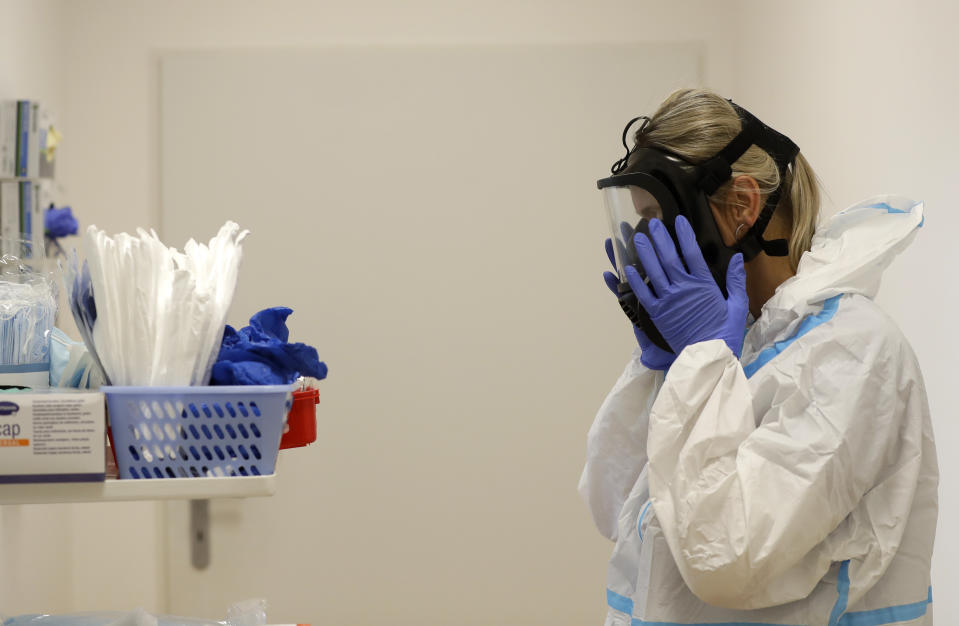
{"x": 868, "y": 90}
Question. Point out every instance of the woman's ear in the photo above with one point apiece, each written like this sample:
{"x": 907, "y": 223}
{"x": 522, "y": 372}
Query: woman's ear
{"x": 741, "y": 208}
{"x": 745, "y": 200}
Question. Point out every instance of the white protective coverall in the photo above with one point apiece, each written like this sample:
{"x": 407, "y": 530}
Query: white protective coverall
{"x": 797, "y": 485}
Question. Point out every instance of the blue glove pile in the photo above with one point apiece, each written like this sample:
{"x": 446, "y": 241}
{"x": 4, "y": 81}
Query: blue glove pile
{"x": 260, "y": 354}
{"x": 60, "y": 222}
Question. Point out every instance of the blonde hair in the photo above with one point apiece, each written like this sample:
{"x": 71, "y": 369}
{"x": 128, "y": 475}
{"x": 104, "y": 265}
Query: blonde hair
{"x": 696, "y": 124}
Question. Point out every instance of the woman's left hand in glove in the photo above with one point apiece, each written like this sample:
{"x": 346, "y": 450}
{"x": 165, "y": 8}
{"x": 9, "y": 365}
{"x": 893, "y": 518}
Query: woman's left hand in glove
{"x": 688, "y": 306}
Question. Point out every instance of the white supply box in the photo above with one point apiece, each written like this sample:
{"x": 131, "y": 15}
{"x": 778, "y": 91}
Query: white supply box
{"x": 52, "y": 437}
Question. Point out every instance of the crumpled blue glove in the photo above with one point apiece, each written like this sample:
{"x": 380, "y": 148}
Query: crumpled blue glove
{"x": 260, "y": 354}
{"x": 60, "y": 222}
{"x": 688, "y": 306}
{"x": 652, "y": 356}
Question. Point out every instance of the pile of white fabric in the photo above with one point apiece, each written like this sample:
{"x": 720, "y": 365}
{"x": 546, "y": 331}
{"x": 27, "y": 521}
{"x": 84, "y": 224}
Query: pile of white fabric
{"x": 150, "y": 314}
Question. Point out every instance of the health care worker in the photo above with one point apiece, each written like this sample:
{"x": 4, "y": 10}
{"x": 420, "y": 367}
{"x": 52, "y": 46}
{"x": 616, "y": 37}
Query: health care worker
{"x": 767, "y": 457}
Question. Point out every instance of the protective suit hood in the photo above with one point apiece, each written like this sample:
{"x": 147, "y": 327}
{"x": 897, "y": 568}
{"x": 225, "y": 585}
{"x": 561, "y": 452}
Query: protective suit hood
{"x": 849, "y": 253}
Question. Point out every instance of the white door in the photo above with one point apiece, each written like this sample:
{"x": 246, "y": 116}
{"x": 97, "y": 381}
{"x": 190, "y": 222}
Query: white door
{"x": 431, "y": 216}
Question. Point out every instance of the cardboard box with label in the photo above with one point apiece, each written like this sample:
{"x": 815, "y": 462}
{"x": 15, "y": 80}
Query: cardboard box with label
{"x": 52, "y": 437}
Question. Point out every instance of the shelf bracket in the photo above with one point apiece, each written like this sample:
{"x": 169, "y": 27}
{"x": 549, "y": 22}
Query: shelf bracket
{"x": 200, "y": 533}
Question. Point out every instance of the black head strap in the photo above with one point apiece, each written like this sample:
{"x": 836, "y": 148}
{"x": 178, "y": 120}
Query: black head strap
{"x": 717, "y": 170}
{"x": 620, "y": 165}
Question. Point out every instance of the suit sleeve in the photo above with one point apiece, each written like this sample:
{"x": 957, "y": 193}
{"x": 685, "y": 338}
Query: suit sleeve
{"x": 747, "y": 490}
{"x": 616, "y": 444}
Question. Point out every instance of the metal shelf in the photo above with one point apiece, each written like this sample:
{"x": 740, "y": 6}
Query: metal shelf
{"x": 24, "y": 179}
{"x": 140, "y": 489}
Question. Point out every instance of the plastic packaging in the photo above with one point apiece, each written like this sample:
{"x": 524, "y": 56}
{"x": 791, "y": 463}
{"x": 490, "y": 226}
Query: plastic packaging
{"x": 71, "y": 364}
{"x": 149, "y": 314}
{"x": 246, "y": 613}
{"x": 28, "y": 307}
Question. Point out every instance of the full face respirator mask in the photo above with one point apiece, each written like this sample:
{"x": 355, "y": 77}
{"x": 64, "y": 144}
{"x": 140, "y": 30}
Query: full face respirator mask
{"x": 652, "y": 183}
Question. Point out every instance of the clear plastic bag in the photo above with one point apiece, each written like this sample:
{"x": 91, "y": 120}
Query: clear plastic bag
{"x": 245, "y": 613}
{"x": 149, "y": 314}
{"x": 28, "y": 308}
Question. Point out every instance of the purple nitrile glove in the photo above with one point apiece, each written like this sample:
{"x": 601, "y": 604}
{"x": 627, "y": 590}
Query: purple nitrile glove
{"x": 688, "y": 306}
{"x": 653, "y": 357}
